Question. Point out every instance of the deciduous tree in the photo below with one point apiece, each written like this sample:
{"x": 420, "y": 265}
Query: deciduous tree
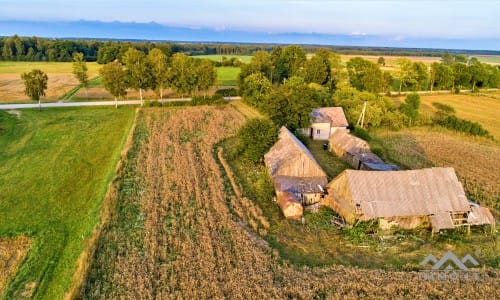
{"x": 157, "y": 61}
{"x": 183, "y": 74}
{"x": 35, "y": 84}
{"x": 138, "y": 71}
{"x": 114, "y": 79}
{"x": 206, "y": 75}
{"x": 80, "y": 70}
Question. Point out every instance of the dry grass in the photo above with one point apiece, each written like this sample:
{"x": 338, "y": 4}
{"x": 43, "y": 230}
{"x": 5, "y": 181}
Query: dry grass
{"x": 12, "y": 253}
{"x": 245, "y": 109}
{"x": 391, "y": 61}
{"x": 12, "y": 87}
{"x": 173, "y": 234}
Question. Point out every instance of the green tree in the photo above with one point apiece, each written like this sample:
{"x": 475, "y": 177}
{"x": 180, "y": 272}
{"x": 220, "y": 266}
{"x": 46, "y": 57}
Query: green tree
{"x": 138, "y": 71}
{"x": 80, "y": 70}
{"x": 420, "y": 75}
{"x": 206, "y": 76}
{"x": 260, "y": 62}
{"x": 35, "y": 84}
{"x": 255, "y": 88}
{"x": 365, "y": 75}
{"x": 338, "y": 71}
{"x": 256, "y": 137}
{"x": 461, "y": 75}
{"x": 447, "y": 59}
{"x": 410, "y": 107}
{"x": 405, "y": 73}
{"x": 478, "y": 72}
{"x": 440, "y": 76}
{"x": 183, "y": 74}
{"x": 7, "y": 53}
{"x": 381, "y": 61}
{"x": 293, "y": 57}
{"x": 114, "y": 79}
{"x": 318, "y": 69}
{"x": 157, "y": 61}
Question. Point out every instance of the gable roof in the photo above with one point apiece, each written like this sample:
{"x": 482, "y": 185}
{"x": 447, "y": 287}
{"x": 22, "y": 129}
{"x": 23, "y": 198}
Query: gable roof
{"x": 333, "y": 115}
{"x": 431, "y": 191}
{"x": 289, "y": 157}
{"x": 348, "y": 142}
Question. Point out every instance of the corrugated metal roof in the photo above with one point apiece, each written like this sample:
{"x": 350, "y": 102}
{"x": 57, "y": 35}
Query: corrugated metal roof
{"x": 348, "y": 143}
{"x": 299, "y": 185}
{"x": 406, "y": 193}
{"x": 289, "y": 157}
{"x": 333, "y": 115}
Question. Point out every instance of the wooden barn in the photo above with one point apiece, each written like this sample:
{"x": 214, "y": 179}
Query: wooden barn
{"x": 356, "y": 152}
{"x": 324, "y": 121}
{"x": 298, "y": 178}
{"x": 429, "y": 197}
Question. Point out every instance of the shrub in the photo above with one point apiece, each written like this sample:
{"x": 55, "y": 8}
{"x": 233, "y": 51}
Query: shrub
{"x": 232, "y": 92}
{"x": 461, "y": 125}
{"x": 256, "y": 137}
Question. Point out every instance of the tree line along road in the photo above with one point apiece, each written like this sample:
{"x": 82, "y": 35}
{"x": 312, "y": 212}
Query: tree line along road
{"x": 93, "y": 103}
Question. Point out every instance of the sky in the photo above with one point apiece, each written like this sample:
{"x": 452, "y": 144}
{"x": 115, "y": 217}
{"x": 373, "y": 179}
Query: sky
{"x": 395, "y": 19}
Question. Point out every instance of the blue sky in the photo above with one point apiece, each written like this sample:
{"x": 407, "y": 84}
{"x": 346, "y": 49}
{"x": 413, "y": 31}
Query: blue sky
{"x": 399, "y": 20}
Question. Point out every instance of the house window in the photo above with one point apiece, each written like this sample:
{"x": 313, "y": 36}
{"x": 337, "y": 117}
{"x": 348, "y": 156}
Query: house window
{"x": 317, "y": 131}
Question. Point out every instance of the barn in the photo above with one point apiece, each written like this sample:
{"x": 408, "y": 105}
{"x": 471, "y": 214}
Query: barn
{"x": 298, "y": 178}
{"x": 324, "y": 121}
{"x": 356, "y": 152}
{"x": 407, "y": 199}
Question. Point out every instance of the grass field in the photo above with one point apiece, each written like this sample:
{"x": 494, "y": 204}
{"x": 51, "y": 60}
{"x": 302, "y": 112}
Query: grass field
{"x": 227, "y": 76}
{"x": 55, "y": 167}
{"x": 491, "y": 59}
{"x": 218, "y": 58}
{"x": 482, "y": 108}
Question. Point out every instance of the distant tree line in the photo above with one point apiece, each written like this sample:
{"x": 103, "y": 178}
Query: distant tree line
{"x": 15, "y": 48}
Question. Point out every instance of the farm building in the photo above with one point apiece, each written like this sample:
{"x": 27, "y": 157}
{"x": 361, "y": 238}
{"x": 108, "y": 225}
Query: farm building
{"x": 405, "y": 199}
{"x": 356, "y": 152}
{"x": 324, "y": 121}
{"x": 298, "y": 178}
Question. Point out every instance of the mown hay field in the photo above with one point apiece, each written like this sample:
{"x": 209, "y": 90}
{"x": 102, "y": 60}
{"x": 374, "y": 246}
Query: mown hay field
{"x": 483, "y": 108}
{"x": 175, "y": 231}
{"x": 55, "y": 168}
{"x": 61, "y": 79}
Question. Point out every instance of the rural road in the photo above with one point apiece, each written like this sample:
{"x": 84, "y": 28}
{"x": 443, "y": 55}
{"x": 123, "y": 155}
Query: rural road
{"x": 92, "y": 103}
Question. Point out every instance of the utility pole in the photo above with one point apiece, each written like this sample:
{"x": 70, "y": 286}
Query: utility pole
{"x": 362, "y": 116}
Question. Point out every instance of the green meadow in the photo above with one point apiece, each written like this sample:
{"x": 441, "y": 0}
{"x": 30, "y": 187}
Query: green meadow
{"x": 55, "y": 168}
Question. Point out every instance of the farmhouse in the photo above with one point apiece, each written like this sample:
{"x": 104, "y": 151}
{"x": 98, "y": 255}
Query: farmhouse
{"x": 405, "y": 199}
{"x": 324, "y": 121}
{"x": 356, "y": 152}
{"x": 298, "y": 178}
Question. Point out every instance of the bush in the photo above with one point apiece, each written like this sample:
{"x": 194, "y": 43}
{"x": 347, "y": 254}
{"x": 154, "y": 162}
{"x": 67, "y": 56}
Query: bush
{"x": 213, "y": 100}
{"x": 361, "y": 133}
{"x": 232, "y": 92}
{"x": 461, "y": 125}
{"x": 256, "y": 137}
{"x": 444, "y": 108}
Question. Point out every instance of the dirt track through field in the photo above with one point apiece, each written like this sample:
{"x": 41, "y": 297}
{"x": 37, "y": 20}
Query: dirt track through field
{"x": 173, "y": 234}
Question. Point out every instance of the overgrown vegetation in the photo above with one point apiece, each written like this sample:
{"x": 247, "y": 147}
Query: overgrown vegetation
{"x": 55, "y": 167}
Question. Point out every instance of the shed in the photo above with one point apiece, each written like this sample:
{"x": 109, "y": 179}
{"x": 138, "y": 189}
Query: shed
{"x": 357, "y": 152}
{"x": 324, "y": 121}
{"x": 295, "y": 172}
{"x": 405, "y": 199}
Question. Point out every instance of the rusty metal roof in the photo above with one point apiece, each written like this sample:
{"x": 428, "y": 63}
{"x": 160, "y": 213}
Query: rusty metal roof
{"x": 406, "y": 193}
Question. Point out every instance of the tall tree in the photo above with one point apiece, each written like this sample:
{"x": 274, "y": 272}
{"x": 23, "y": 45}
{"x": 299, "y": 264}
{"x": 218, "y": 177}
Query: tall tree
{"x": 139, "y": 75}
{"x": 410, "y": 107}
{"x": 461, "y": 75}
{"x": 35, "y": 84}
{"x": 114, "y": 79}
{"x": 255, "y": 89}
{"x": 293, "y": 57}
{"x": 420, "y": 75}
{"x": 318, "y": 69}
{"x": 260, "y": 62}
{"x": 159, "y": 70}
{"x": 183, "y": 74}
{"x": 381, "y": 61}
{"x": 206, "y": 75}
{"x": 405, "y": 73}
{"x": 477, "y": 71}
{"x": 365, "y": 75}
{"x": 441, "y": 76}
{"x": 80, "y": 70}
{"x": 447, "y": 59}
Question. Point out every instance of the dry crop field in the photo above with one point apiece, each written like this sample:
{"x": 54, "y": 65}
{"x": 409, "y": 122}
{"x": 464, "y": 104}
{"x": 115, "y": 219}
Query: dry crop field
{"x": 391, "y": 61}
{"x": 61, "y": 79}
{"x": 173, "y": 233}
{"x": 12, "y": 254}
